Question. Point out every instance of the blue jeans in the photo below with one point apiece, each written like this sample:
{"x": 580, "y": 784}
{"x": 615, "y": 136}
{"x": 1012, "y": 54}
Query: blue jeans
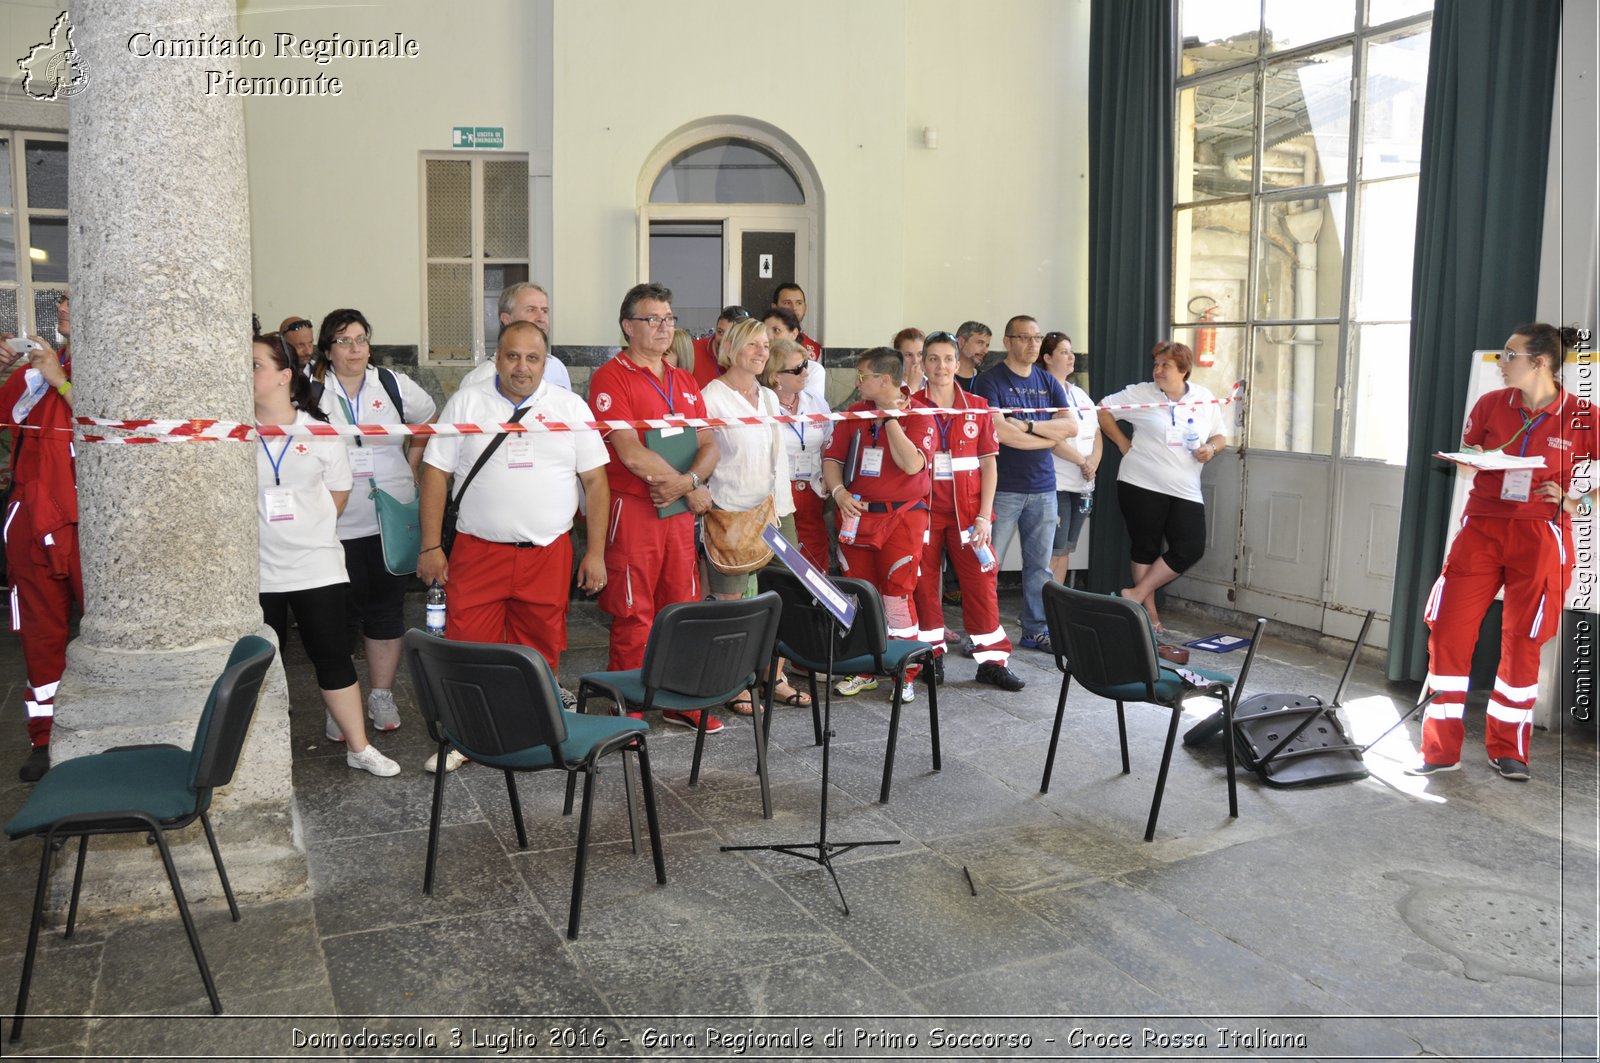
{"x": 1035, "y": 516}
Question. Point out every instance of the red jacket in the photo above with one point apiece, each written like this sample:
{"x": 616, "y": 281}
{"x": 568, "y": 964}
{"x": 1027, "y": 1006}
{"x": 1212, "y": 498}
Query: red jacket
{"x": 42, "y": 467}
{"x": 968, "y": 437}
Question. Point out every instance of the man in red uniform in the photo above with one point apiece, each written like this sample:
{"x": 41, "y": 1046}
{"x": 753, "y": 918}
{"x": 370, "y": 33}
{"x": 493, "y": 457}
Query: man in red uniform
{"x": 1516, "y": 533}
{"x": 792, "y": 298}
{"x": 964, "y": 478}
{"x": 41, "y": 525}
{"x": 650, "y": 559}
{"x": 706, "y": 369}
{"x": 887, "y": 489}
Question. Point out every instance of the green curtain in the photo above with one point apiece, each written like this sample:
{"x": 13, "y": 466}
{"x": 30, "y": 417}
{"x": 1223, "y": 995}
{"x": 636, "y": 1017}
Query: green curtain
{"x": 1131, "y": 69}
{"x": 1480, "y": 215}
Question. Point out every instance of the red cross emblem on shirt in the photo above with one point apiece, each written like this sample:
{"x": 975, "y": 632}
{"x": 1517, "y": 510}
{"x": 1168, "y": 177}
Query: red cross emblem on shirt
{"x": 299, "y": 448}
{"x": 377, "y": 404}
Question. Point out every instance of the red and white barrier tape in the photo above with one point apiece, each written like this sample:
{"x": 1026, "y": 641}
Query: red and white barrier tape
{"x": 215, "y": 431}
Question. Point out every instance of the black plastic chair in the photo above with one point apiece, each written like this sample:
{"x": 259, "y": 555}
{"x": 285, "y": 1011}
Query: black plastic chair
{"x": 700, "y": 655}
{"x": 1105, "y": 642}
{"x": 145, "y": 790}
{"x": 500, "y": 707}
{"x": 803, "y": 637}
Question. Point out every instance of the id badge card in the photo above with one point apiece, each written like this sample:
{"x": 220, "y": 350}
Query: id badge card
{"x": 1175, "y": 437}
{"x": 943, "y": 469}
{"x": 1516, "y": 485}
{"x": 280, "y": 504}
{"x": 871, "y": 461}
{"x": 806, "y": 465}
{"x": 519, "y": 452}
{"x": 363, "y": 463}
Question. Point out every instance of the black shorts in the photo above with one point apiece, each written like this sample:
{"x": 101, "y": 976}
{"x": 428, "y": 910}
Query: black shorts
{"x": 1154, "y": 519}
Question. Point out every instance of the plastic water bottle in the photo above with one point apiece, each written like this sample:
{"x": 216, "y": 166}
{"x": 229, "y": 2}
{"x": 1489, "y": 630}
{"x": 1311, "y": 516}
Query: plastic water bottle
{"x": 985, "y": 553}
{"x": 1191, "y": 438}
{"x": 848, "y": 526}
{"x": 1086, "y": 498}
{"x": 436, "y": 610}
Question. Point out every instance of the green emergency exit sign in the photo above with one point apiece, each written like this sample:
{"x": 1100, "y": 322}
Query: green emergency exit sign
{"x": 481, "y": 136}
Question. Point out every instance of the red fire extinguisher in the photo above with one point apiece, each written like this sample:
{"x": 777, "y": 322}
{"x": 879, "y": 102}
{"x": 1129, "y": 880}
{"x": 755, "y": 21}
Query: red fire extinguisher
{"x": 1205, "y": 337}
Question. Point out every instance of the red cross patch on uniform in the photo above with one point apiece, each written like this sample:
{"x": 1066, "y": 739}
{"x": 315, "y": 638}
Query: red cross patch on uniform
{"x": 299, "y": 448}
{"x": 602, "y": 402}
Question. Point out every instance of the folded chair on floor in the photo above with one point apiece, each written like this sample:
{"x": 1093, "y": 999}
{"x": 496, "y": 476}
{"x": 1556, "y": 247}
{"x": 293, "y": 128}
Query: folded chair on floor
{"x": 1105, "y": 642}
{"x": 499, "y": 706}
{"x": 700, "y": 655}
{"x": 866, "y": 650}
{"x": 145, "y": 790}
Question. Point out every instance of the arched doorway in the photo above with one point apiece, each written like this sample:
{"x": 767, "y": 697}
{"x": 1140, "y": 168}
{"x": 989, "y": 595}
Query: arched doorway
{"x": 728, "y": 211}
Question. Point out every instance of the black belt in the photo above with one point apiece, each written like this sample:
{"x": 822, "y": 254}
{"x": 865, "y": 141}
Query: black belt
{"x": 894, "y": 507}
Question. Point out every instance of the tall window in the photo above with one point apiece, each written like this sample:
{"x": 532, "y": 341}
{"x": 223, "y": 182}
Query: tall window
{"x": 476, "y": 243}
{"x": 33, "y": 230}
{"x": 1298, "y": 144}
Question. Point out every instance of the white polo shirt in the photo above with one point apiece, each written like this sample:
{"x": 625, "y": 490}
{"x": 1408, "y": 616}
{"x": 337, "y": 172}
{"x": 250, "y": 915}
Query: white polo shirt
{"x": 1068, "y": 476}
{"x": 370, "y": 404}
{"x": 298, "y": 535}
{"x": 746, "y": 456}
{"x": 804, "y": 443}
{"x": 483, "y": 373}
{"x": 1158, "y": 460}
{"x": 528, "y": 491}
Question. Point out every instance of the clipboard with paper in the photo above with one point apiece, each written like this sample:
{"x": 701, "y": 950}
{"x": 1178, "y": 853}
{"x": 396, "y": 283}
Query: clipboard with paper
{"x": 678, "y": 446}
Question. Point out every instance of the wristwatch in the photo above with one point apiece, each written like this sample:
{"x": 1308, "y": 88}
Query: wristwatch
{"x": 1029, "y": 428}
{"x": 694, "y": 480}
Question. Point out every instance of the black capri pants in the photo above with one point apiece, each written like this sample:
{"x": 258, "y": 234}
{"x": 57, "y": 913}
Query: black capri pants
{"x": 376, "y": 601}
{"x": 320, "y": 614}
{"x": 1153, "y": 518}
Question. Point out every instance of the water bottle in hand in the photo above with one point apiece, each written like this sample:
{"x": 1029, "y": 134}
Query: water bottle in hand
{"x": 1191, "y": 438}
{"x": 436, "y": 610}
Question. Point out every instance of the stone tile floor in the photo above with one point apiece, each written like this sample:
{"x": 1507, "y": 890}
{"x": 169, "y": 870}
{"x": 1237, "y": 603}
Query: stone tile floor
{"x": 1393, "y": 917}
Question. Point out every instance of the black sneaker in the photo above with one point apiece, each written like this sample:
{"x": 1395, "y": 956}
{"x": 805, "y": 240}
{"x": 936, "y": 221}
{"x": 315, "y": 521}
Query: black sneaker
{"x": 1510, "y": 768}
{"x": 38, "y": 763}
{"x": 938, "y": 670}
{"x": 998, "y": 675}
{"x": 1426, "y": 768}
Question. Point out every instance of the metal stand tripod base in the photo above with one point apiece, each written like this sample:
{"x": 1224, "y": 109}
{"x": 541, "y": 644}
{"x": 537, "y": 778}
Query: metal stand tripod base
{"x": 824, "y": 854}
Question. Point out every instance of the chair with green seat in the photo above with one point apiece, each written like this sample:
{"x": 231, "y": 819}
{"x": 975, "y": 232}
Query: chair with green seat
{"x": 145, "y": 790}
{"x": 1105, "y": 642}
{"x": 499, "y": 706}
{"x": 866, "y": 650}
{"x": 700, "y": 655}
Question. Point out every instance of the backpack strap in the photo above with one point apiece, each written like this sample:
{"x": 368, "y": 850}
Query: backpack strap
{"x": 391, "y": 384}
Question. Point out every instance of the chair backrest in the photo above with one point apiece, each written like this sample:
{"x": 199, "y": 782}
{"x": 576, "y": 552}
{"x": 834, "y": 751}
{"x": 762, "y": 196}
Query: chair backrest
{"x": 709, "y": 650}
{"x": 1105, "y": 638}
{"x": 806, "y": 627}
{"x": 225, "y": 720}
{"x": 491, "y": 698}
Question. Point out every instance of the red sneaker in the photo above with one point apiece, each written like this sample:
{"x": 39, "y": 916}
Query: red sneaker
{"x": 691, "y": 720}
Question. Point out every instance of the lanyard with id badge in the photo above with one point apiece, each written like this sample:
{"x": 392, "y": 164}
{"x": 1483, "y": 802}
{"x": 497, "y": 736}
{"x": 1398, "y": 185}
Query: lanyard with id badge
{"x": 1516, "y": 485}
{"x": 363, "y": 461}
{"x": 278, "y": 499}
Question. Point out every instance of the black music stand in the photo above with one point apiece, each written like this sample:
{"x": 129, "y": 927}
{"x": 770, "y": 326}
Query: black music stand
{"x": 841, "y": 609}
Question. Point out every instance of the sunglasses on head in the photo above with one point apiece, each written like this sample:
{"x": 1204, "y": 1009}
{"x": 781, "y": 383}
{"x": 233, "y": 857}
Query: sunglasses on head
{"x": 297, "y": 326}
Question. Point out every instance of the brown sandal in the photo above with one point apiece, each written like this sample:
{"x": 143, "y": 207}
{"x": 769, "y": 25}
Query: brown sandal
{"x": 796, "y": 697}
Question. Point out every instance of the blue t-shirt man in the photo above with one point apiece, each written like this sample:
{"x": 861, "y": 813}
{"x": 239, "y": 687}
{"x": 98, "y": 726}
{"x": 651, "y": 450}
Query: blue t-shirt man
{"x": 1025, "y": 488}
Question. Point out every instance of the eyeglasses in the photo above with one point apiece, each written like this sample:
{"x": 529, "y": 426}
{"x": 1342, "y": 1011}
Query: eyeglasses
{"x": 1025, "y": 339}
{"x": 940, "y": 337}
{"x": 657, "y": 320}
{"x": 863, "y": 377}
{"x": 1508, "y": 354}
{"x": 348, "y": 342}
{"x": 297, "y": 326}
{"x": 733, "y": 313}
{"x": 799, "y": 370}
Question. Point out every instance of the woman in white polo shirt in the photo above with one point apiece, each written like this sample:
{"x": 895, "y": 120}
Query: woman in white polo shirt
{"x": 354, "y": 391}
{"x": 302, "y": 484}
{"x": 1158, "y": 486}
{"x": 1076, "y": 458}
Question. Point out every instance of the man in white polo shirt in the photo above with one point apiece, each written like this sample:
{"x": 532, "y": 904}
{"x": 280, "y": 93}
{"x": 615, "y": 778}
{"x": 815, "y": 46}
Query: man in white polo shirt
{"x": 524, "y": 301}
{"x": 508, "y": 573}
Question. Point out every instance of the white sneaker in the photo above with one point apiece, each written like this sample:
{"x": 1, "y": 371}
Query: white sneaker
{"x": 908, "y": 692}
{"x": 382, "y": 711}
{"x": 452, "y": 760}
{"x": 370, "y": 759}
{"x": 855, "y": 684}
{"x": 569, "y": 700}
{"x": 330, "y": 727}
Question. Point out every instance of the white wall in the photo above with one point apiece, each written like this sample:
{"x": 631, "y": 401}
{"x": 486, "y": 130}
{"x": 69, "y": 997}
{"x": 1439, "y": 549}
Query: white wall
{"x": 334, "y": 181}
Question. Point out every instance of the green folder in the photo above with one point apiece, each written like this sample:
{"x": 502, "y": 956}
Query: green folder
{"x": 679, "y": 449}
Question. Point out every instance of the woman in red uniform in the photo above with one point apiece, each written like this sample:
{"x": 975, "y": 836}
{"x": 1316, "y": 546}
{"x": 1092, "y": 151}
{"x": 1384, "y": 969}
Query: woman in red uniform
{"x": 1516, "y": 533}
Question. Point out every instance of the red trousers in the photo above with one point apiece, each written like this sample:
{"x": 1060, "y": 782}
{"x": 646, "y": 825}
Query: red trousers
{"x": 46, "y": 580}
{"x": 809, "y": 527}
{"x": 887, "y": 553}
{"x": 980, "y": 605}
{"x": 1532, "y": 560}
{"x": 650, "y": 563}
{"x": 504, "y": 593}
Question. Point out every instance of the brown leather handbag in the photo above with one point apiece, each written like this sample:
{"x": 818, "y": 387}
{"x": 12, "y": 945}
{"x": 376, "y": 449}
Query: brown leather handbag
{"x": 733, "y": 537}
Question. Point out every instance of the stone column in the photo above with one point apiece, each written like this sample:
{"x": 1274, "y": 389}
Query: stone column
{"x": 160, "y": 274}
